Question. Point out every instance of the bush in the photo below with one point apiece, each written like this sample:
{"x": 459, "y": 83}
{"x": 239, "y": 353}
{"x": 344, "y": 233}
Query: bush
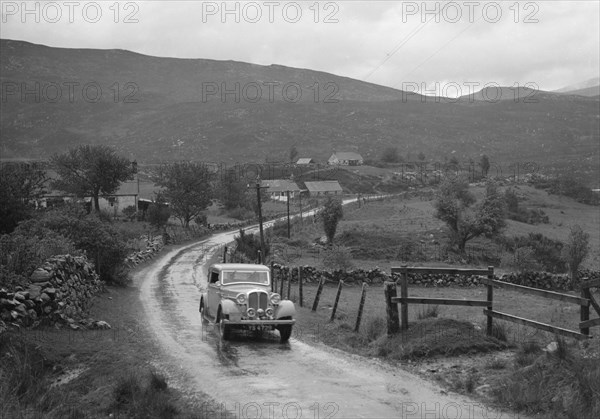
{"x": 101, "y": 241}
{"x": 130, "y": 212}
{"x": 158, "y": 215}
{"x": 249, "y": 245}
{"x": 240, "y": 213}
{"x": 337, "y": 258}
{"x": 21, "y": 254}
{"x": 546, "y": 252}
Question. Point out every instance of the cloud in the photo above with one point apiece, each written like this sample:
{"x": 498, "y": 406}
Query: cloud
{"x": 379, "y": 38}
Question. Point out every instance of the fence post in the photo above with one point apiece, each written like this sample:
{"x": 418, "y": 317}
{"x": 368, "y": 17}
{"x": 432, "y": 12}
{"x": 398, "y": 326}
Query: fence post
{"x": 393, "y": 321}
{"x": 361, "y": 306}
{"x": 490, "y": 298}
{"x": 259, "y": 262}
{"x": 584, "y": 313}
{"x": 318, "y": 296}
{"x": 404, "y": 294}
{"x": 337, "y": 299}
{"x": 224, "y": 254}
{"x": 300, "y": 295}
{"x": 272, "y": 276}
{"x": 289, "y": 287}
{"x": 282, "y": 280}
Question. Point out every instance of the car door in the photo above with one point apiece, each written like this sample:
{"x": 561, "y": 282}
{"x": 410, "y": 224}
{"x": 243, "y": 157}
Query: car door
{"x": 214, "y": 293}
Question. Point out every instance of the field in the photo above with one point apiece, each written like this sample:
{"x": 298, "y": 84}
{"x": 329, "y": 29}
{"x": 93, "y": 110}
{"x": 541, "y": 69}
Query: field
{"x": 379, "y": 233}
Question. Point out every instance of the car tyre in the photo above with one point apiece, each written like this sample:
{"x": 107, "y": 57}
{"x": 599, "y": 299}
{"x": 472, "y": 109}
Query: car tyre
{"x": 224, "y": 329}
{"x": 285, "y": 331}
{"x": 203, "y": 313}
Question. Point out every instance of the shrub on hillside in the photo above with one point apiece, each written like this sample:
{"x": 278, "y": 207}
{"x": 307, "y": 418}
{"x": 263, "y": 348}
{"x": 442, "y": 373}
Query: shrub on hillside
{"x": 249, "y": 245}
{"x": 337, "y": 258}
{"x": 546, "y": 251}
{"x": 21, "y": 254}
{"x": 101, "y": 241}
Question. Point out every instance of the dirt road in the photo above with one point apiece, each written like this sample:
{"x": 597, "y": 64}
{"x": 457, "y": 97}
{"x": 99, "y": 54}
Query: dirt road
{"x": 262, "y": 378}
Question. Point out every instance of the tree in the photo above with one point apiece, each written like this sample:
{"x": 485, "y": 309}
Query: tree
{"x": 391, "y": 155}
{"x": 188, "y": 189}
{"x": 232, "y": 191}
{"x": 332, "y": 213}
{"x": 293, "y": 154}
{"x": 158, "y": 212}
{"x": 91, "y": 171}
{"x": 484, "y": 163}
{"x": 455, "y": 205}
{"x": 20, "y": 183}
{"x": 576, "y": 250}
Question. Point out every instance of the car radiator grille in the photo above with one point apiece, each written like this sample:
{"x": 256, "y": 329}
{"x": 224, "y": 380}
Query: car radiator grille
{"x": 258, "y": 300}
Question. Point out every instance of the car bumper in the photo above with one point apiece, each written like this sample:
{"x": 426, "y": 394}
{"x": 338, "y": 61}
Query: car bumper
{"x": 258, "y": 322}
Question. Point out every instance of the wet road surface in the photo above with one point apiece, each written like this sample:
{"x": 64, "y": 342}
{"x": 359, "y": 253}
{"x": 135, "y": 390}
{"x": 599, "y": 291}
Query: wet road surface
{"x": 258, "y": 377}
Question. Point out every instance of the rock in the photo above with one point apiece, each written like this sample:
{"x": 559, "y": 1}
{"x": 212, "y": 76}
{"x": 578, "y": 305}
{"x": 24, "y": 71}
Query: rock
{"x": 34, "y": 291}
{"x": 551, "y": 348}
{"x": 100, "y": 324}
{"x": 19, "y": 296}
{"x": 45, "y": 298}
{"x": 40, "y": 275}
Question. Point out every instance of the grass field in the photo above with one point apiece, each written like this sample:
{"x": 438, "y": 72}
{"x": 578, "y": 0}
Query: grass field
{"x": 377, "y": 232}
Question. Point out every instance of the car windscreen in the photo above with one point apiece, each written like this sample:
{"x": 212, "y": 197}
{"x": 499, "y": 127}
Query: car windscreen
{"x": 245, "y": 276}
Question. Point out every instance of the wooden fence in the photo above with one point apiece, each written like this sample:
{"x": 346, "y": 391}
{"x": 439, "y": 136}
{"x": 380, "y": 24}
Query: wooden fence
{"x": 404, "y": 300}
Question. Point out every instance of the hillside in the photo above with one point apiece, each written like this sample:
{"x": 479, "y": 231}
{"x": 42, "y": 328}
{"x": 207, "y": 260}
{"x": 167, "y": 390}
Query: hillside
{"x": 162, "y": 115}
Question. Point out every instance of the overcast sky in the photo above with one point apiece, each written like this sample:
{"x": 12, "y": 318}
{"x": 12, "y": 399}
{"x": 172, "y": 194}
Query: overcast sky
{"x": 549, "y": 43}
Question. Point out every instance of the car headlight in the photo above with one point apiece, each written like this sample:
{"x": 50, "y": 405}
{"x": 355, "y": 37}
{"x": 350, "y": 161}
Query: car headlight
{"x": 241, "y": 298}
{"x": 269, "y": 312}
{"x": 251, "y": 312}
{"x": 275, "y": 299}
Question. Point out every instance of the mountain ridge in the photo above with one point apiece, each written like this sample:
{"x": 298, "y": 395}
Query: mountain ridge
{"x": 157, "y": 109}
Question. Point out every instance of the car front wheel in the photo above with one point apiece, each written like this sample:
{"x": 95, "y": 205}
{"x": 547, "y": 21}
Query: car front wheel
{"x": 224, "y": 329}
{"x": 285, "y": 330}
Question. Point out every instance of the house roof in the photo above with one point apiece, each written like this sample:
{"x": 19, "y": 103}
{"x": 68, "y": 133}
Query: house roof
{"x": 324, "y": 186}
{"x": 347, "y": 155}
{"x": 304, "y": 160}
{"x": 280, "y": 185}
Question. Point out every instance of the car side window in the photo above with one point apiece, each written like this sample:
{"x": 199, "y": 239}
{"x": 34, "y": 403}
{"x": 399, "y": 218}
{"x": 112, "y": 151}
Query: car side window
{"x": 214, "y": 277}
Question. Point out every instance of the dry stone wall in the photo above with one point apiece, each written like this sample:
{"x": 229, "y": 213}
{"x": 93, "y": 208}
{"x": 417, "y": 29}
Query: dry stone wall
{"x": 59, "y": 291}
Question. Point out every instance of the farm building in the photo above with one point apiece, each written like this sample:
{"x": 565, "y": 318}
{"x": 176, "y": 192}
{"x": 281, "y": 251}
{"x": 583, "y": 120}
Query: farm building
{"x": 304, "y": 161}
{"x": 278, "y": 188}
{"x": 345, "y": 158}
{"x": 325, "y": 187}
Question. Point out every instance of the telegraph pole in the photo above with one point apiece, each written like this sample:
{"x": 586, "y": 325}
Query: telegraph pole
{"x": 260, "y": 221}
{"x": 287, "y": 194}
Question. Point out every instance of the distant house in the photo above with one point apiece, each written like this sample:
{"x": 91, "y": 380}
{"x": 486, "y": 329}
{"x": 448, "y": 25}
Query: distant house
{"x": 305, "y": 161}
{"x": 278, "y": 188}
{"x": 127, "y": 195}
{"x": 325, "y": 187}
{"x": 345, "y": 158}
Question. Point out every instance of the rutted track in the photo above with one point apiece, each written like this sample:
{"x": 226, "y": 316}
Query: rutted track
{"x": 259, "y": 377}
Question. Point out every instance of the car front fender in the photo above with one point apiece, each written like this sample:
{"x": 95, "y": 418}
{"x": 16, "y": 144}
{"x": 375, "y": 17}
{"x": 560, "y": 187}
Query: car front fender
{"x": 286, "y": 308}
{"x": 230, "y": 309}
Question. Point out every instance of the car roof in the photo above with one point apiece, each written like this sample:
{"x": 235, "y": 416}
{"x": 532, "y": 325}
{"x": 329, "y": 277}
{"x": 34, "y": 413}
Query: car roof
{"x": 240, "y": 267}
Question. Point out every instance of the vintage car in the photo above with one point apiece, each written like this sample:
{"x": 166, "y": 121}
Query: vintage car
{"x": 239, "y": 296}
